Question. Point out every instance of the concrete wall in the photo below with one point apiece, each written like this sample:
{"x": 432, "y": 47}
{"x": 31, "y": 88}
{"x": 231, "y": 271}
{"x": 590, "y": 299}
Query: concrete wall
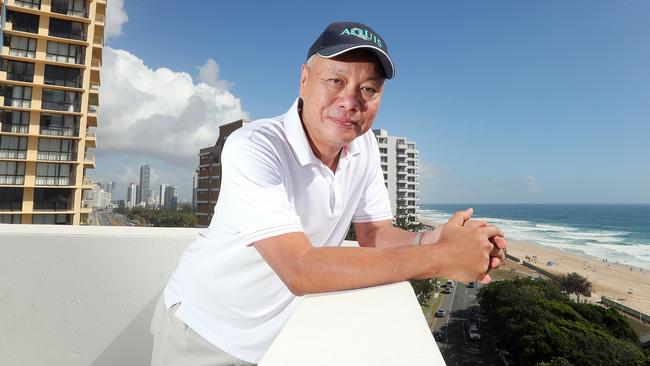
{"x": 82, "y": 295}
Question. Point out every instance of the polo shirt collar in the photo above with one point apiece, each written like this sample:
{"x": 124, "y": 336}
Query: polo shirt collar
{"x": 300, "y": 144}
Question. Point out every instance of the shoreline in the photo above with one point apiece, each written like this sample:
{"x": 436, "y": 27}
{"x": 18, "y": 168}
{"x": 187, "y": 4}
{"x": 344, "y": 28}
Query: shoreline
{"x": 623, "y": 283}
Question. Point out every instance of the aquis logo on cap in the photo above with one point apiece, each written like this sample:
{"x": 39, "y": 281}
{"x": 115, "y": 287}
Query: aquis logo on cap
{"x": 364, "y": 34}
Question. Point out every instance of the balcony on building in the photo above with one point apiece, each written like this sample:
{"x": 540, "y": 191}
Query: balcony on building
{"x": 21, "y": 22}
{"x": 59, "y": 125}
{"x": 61, "y": 100}
{"x": 29, "y": 4}
{"x": 75, "y": 8}
{"x": 18, "y": 46}
{"x": 15, "y": 122}
{"x": 11, "y": 199}
{"x": 67, "y": 29}
{"x": 12, "y": 173}
{"x": 53, "y": 199}
{"x": 65, "y": 53}
{"x": 89, "y": 160}
{"x": 77, "y": 284}
{"x": 13, "y": 147}
{"x": 91, "y": 137}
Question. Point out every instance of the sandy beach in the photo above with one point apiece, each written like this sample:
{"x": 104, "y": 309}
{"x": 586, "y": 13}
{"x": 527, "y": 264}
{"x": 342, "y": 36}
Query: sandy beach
{"x": 623, "y": 283}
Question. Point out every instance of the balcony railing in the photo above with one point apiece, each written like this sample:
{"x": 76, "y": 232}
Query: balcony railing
{"x": 12, "y": 179}
{"x": 89, "y": 157}
{"x": 96, "y": 62}
{"x": 18, "y": 103}
{"x": 99, "y": 18}
{"x": 87, "y": 203}
{"x": 22, "y": 53}
{"x": 90, "y": 132}
{"x": 93, "y": 108}
{"x": 87, "y": 181}
{"x": 13, "y": 154}
{"x": 26, "y": 4}
{"x": 53, "y": 181}
{"x": 94, "y": 85}
{"x": 13, "y": 128}
{"x": 56, "y": 156}
{"x": 99, "y": 41}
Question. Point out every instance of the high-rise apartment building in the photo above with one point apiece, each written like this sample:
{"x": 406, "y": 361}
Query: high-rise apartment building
{"x": 400, "y": 163}
{"x": 161, "y": 202}
{"x": 144, "y": 192}
{"x": 49, "y": 96}
{"x": 209, "y": 178}
{"x": 195, "y": 182}
{"x": 132, "y": 195}
{"x": 171, "y": 198}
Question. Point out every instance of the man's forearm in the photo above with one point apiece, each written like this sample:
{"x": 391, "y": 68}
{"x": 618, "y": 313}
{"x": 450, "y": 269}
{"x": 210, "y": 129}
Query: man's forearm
{"x": 387, "y": 236}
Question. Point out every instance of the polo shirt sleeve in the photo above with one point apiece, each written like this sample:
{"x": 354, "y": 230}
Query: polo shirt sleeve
{"x": 374, "y": 204}
{"x": 253, "y": 190}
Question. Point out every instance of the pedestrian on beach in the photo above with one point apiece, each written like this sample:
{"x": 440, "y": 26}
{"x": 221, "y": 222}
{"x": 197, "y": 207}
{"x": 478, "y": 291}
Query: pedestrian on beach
{"x": 291, "y": 187}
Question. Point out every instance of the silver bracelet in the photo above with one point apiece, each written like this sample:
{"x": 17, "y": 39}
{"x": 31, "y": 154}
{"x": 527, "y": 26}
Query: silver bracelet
{"x": 418, "y": 238}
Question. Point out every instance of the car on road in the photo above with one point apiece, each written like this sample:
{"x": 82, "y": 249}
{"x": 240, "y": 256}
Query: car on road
{"x": 447, "y": 290}
{"x": 441, "y": 313}
{"x": 450, "y": 283}
{"x": 474, "y": 333}
{"x": 438, "y": 335}
{"x": 470, "y": 285}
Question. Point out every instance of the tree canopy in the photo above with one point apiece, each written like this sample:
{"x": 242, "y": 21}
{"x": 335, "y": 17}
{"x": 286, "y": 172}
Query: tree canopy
{"x": 538, "y": 325}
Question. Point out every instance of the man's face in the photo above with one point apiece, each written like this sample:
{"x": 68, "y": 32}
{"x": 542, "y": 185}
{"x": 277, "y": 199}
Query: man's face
{"x": 341, "y": 97}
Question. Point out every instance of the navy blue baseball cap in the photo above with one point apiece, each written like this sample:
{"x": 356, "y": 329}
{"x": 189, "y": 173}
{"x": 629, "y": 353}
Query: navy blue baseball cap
{"x": 341, "y": 37}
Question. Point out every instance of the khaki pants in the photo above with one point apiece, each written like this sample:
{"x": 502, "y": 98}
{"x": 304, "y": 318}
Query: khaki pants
{"x": 174, "y": 343}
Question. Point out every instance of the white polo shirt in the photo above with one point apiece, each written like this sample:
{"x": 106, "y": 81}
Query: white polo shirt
{"x": 272, "y": 184}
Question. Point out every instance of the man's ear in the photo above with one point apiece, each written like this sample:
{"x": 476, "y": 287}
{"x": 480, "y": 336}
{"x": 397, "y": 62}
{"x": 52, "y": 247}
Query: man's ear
{"x": 303, "y": 79}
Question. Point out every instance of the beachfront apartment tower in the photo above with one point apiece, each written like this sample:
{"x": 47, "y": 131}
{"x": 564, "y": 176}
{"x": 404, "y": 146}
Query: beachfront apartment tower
{"x": 49, "y": 96}
{"x": 209, "y": 177}
{"x": 400, "y": 163}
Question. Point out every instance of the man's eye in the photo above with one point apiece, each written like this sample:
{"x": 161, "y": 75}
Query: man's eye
{"x": 369, "y": 89}
{"x": 335, "y": 82}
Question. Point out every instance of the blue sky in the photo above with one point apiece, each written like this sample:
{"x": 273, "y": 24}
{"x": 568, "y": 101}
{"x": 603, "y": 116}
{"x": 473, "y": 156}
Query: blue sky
{"x": 508, "y": 101}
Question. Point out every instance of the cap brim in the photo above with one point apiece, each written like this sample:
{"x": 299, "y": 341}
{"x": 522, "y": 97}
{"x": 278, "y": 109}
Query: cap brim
{"x": 386, "y": 62}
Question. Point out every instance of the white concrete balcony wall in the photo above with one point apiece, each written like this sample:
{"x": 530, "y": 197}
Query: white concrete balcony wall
{"x": 83, "y": 295}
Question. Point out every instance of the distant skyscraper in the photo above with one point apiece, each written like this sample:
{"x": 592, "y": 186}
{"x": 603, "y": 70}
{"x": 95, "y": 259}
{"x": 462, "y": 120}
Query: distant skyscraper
{"x": 131, "y": 195}
{"x": 161, "y": 203}
{"x": 399, "y": 161}
{"x": 110, "y": 186}
{"x": 171, "y": 197}
{"x": 144, "y": 188}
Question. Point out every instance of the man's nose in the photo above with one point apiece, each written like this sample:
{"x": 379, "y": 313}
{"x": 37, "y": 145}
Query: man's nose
{"x": 350, "y": 99}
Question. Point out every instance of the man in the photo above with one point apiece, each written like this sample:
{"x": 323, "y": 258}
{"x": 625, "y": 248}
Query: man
{"x": 290, "y": 187}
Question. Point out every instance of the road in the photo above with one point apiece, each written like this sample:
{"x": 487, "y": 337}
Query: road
{"x": 454, "y": 342}
{"x": 107, "y": 218}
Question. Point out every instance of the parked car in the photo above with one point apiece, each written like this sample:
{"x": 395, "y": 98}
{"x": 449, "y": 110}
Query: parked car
{"x": 474, "y": 333}
{"x": 447, "y": 290}
{"x": 438, "y": 335}
{"x": 441, "y": 313}
{"x": 470, "y": 285}
{"x": 450, "y": 283}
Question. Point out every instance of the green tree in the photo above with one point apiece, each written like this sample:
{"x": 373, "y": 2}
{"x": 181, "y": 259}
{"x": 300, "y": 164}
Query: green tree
{"x": 574, "y": 283}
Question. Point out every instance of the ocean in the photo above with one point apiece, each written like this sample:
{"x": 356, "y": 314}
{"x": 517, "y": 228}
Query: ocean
{"x": 620, "y": 233}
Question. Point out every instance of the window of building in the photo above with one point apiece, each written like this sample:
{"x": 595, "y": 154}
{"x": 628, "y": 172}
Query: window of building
{"x": 63, "y": 76}
{"x": 53, "y": 174}
{"x": 23, "y": 22}
{"x": 384, "y": 159}
{"x": 32, "y": 4}
{"x": 11, "y": 199}
{"x": 67, "y": 29}
{"x": 56, "y": 219}
{"x": 64, "y": 52}
{"x": 382, "y": 140}
{"x": 53, "y": 199}
{"x": 20, "y": 46}
{"x": 59, "y": 125}
{"x": 57, "y": 149}
{"x": 13, "y": 147}
{"x": 384, "y": 168}
{"x": 16, "y": 95}
{"x": 9, "y": 219}
{"x": 12, "y": 172}
{"x": 18, "y": 71}
{"x": 14, "y": 121}
{"x": 61, "y": 100}
{"x": 70, "y": 7}
{"x": 383, "y": 150}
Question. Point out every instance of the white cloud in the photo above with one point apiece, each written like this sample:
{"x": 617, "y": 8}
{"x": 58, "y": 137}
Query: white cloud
{"x": 209, "y": 74}
{"x": 157, "y": 116}
{"x": 531, "y": 184}
{"x": 115, "y": 18}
